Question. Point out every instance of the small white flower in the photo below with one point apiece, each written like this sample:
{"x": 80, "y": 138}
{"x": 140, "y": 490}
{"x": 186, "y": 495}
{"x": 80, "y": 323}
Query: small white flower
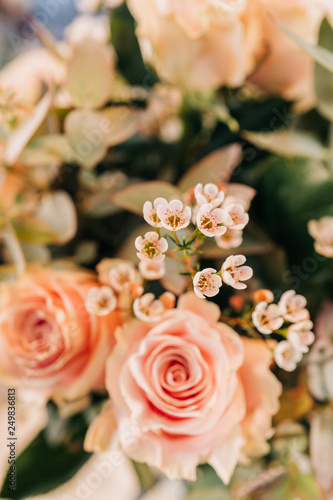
{"x": 150, "y": 212}
{"x": 151, "y": 270}
{"x": 210, "y": 193}
{"x": 292, "y": 307}
{"x": 101, "y": 300}
{"x": 122, "y": 275}
{"x": 232, "y": 238}
{"x": 151, "y": 248}
{"x": 233, "y": 271}
{"x": 286, "y": 357}
{"x": 322, "y": 232}
{"x": 239, "y": 218}
{"x": 207, "y": 283}
{"x": 300, "y": 335}
{"x": 212, "y": 221}
{"x": 267, "y": 318}
{"x": 174, "y": 216}
{"x": 147, "y": 309}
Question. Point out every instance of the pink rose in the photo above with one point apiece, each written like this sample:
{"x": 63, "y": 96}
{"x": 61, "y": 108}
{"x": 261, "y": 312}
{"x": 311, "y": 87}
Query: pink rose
{"x": 49, "y": 342}
{"x": 189, "y": 390}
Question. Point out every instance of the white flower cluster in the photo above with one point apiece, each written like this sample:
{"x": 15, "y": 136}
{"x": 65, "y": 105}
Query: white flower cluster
{"x": 269, "y": 318}
{"x": 120, "y": 281}
{"x": 215, "y": 215}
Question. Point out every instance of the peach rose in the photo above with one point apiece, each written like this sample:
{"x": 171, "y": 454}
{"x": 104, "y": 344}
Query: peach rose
{"x": 49, "y": 342}
{"x": 223, "y": 42}
{"x": 189, "y": 390}
{"x": 285, "y": 68}
{"x": 198, "y": 44}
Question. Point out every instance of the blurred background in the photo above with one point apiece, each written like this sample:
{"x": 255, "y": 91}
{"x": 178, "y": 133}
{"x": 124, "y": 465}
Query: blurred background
{"x": 16, "y": 34}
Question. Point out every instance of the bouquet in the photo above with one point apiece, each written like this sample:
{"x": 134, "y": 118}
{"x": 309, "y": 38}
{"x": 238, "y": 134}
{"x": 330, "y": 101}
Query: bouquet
{"x": 166, "y": 218}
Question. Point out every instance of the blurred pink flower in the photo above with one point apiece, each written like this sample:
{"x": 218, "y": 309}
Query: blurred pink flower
{"x": 50, "y": 343}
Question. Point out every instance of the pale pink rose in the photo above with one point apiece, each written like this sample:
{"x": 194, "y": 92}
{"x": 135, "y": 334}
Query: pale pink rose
{"x": 285, "y": 68}
{"x": 216, "y": 44}
{"x": 262, "y": 391}
{"x": 49, "y": 342}
{"x": 189, "y": 390}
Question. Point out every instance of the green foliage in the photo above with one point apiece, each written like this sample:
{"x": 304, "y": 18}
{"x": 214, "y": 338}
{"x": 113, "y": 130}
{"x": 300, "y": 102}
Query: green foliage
{"x": 291, "y": 191}
{"x": 127, "y": 49}
{"x": 46, "y": 464}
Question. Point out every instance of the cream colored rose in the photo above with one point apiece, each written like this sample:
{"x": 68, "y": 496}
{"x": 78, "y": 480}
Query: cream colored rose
{"x": 198, "y": 44}
{"x": 189, "y": 390}
{"x": 206, "y": 44}
{"x": 285, "y": 68}
{"x": 49, "y": 342}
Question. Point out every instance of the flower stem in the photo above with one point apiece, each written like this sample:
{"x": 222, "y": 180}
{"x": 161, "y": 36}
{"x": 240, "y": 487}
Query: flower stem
{"x": 176, "y": 237}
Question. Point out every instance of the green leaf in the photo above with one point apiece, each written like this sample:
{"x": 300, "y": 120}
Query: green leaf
{"x": 123, "y": 122}
{"x": 213, "y": 493}
{"x": 49, "y": 149}
{"x": 288, "y": 143}
{"x": 90, "y": 75}
{"x": 321, "y": 55}
{"x": 291, "y": 191}
{"x": 127, "y": 48}
{"x": 323, "y": 77}
{"x": 32, "y": 230}
{"x": 43, "y": 466}
{"x": 99, "y": 204}
{"x": 294, "y": 485}
{"x": 87, "y": 133}
{"x": 217, "y": 167}
{"x": 132, "y": 198}
{"x": 23, "y": 133}
{"x": 57, "y": 210}
{"x": 208, "y": 486}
